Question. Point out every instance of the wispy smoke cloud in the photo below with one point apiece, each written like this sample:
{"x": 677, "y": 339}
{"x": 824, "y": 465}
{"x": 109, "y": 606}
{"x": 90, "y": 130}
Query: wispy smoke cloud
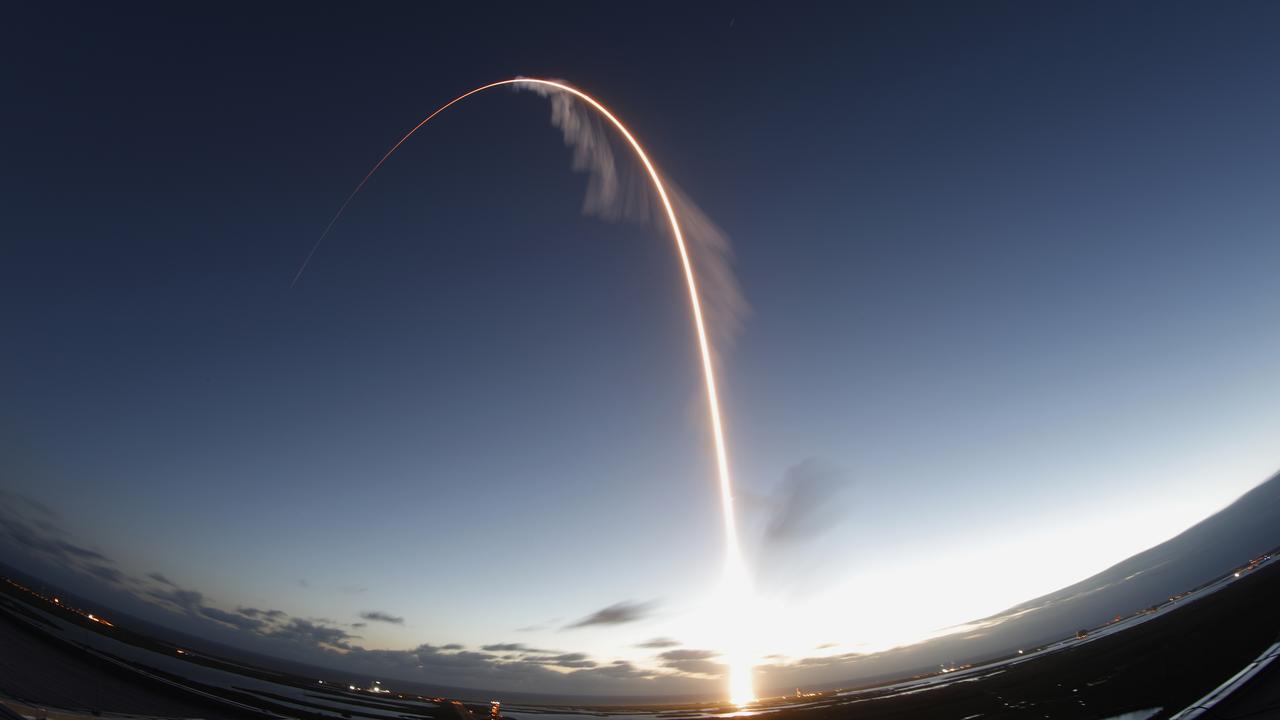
{"x": 813, "y": 497}
{"x": 621, "y": 191}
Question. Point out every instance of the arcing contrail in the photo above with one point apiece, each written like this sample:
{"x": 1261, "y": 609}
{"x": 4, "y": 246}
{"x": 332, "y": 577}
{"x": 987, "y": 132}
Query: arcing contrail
{"x": 736, "y": 586}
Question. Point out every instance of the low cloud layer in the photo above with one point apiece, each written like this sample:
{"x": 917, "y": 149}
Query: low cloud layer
{"x": 35, "y": 530}
{"x": 693, "y": 662}
{"x": 509, "y": 647}
{"x": 33, "y": 527}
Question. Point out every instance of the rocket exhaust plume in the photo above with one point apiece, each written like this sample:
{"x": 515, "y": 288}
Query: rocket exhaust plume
{"x": 592, "y": 153}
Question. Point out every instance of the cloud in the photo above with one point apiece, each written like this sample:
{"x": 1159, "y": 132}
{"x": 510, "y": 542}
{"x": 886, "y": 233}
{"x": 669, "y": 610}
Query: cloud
{"x": 106, "y": 573}
{"x": 627, "y": 611}
{"x": 526, "y": 669}
{"x": 570, "y": 660}
{"x": 160, "y": 578}
{"x": 688, "y": 654}
{"x": 79, "y": 552}
{"x": 306, "y": 633}
{"x": 235, "y": 620}
{"x": 622, "y": 669}
{"x": 32, "y": 527}
{"x": 262, "y": 614}
{"x": 658, "y": 643}
{"x": 382, "y": 617}
{"x": 192, "y": 602}
{"x": 565, "y": 660}
{"x": 188, "y": 601}
{"x": 693, "y": 662}
{"x": 31, "y": 503}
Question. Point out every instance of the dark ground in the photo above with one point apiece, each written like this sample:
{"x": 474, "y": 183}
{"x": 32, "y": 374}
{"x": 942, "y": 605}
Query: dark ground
{"x": 40, "y": 671}
{"x": 1258, "y": 700}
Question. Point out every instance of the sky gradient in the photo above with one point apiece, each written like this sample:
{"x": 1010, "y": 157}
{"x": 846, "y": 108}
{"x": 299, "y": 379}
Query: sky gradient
{"x": 1011, "y": 273}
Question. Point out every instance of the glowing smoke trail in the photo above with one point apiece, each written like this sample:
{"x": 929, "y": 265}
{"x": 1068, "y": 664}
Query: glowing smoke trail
{"x": 736, "y": 587}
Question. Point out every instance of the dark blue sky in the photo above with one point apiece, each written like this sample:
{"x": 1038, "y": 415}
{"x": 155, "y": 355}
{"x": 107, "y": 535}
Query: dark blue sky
{"x": 1012, "y": 273}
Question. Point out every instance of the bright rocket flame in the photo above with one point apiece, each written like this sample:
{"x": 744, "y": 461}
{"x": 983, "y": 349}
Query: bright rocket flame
{"x": 736, "y": 585}
{"x": 737, "y": 603}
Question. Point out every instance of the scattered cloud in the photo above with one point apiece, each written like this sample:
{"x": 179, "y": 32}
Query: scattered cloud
{"x": 689, "y": 655}
{"x": 178, "y": 599}
{"x": 79, "y": 552}
{"x": 622, "y": 669}
{"x": 565, "y": 660}
{"x": 658, "y": 643}
{"x": 31, "y": 503}
{"x": 382, "y": 617}
{"x": 106, "y": 573}
{"x": 235, "y": 620}
{"x": 693, "y": 662}
{"x": 33, "y": 528}
{"x": 507, "y": 647}
{"x": 263, "y": 614}
{"x": 306, "y": 633}
{"x": 627, "y": 611}
{"x": 160, "y": 578}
